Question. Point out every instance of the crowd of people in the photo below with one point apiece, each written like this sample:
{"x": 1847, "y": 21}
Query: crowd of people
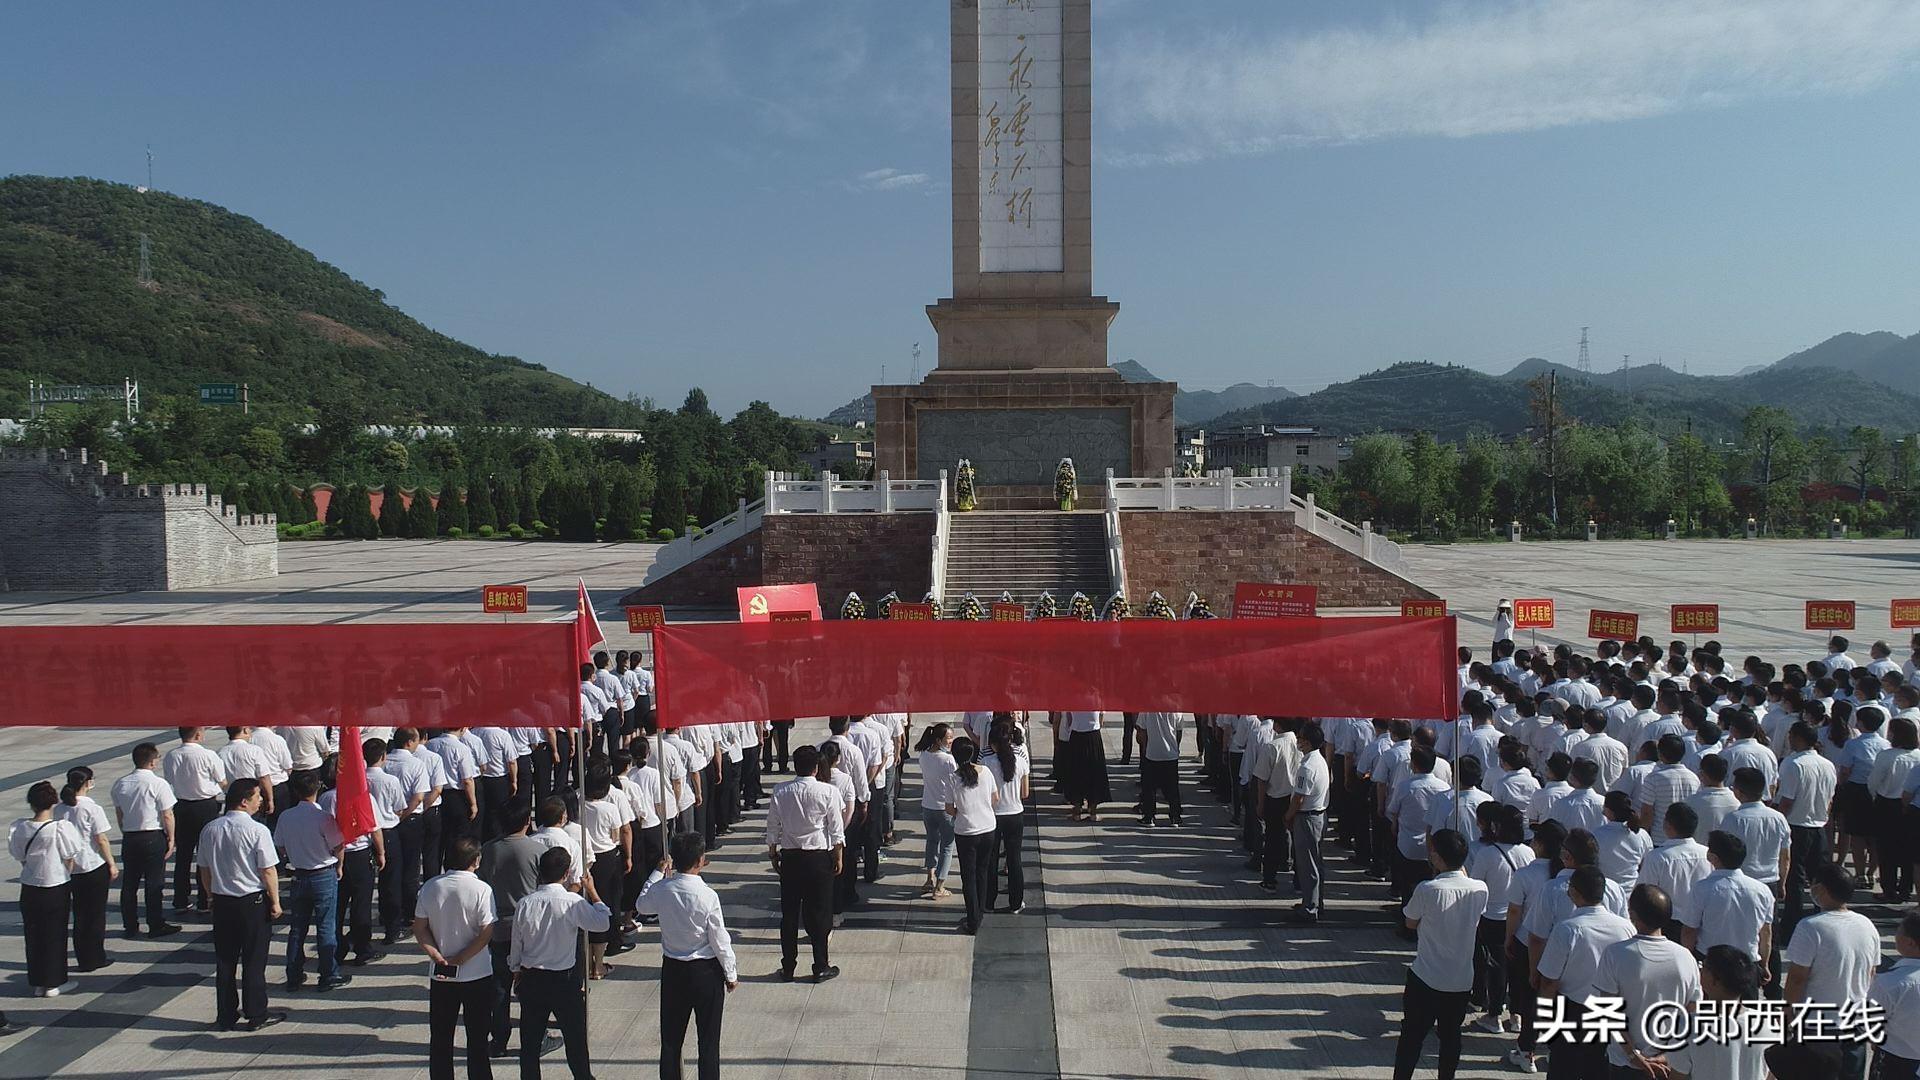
{"x": 1646, "y": 825}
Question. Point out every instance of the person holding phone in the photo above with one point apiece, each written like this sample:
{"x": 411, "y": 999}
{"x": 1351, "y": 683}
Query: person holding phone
{"x": 453, "y": 921}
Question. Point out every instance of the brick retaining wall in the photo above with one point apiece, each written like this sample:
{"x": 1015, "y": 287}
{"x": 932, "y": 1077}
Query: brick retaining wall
{"x": 1209, "y": 552}
{"x": 872, "y": 554}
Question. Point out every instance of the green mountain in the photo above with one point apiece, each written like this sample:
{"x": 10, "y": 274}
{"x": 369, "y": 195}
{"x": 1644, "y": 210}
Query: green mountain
{"x": 1882, "y": 357}
{"x": 232, "y": 301}
{"x": 1193, "y": 407}
{"x": 1453, "y": 402}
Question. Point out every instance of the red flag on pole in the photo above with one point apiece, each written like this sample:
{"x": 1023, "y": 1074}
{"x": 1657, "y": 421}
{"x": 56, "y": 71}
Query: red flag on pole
{"x": 587, "y": 634}
{"x": 353, "y": 800}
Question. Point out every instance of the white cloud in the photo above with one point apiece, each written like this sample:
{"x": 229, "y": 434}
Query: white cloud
{"x": 890, "y": 180}
{"x": 1488, "y": 68}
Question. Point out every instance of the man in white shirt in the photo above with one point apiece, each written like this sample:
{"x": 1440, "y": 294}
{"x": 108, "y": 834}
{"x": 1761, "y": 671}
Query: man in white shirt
{"x": 245, "y": 761}
{"x": 459, "y": 799}
{"x": 1605, "y": 751}
{"x": 1312, "y": 788}
{"x": 1271, "y": 762}
{"x": 143, "y": 806}
{"x": 1831, "y": 958}
{"x": 453, "y": 920}
{"x": 613, "y": 719}
{"x": 1570, "y": 968}
{"x": 1444, "y": 913}
{"x": 1897, "y": 991}
{"x": 280, "y": 759}
{"x": 499, "y": 779}
{"x": 1540, "y": 807}
{"x": 1159, "y": 735}
{"x": 1837, "y": 660}
{"x": 1582, "y": 807}
{"x": 1677, "y": 863}
{"x": 309, "y": 746}
{"x": 859, "y": 830}
{"x": 1648, "y": 972}
{"x": 1728, "y": 907}
{"x": 1805, "y": 797}
{"x": 806, "y": 844}
{"x": 198, "y": 779}
{"x": 237, "y": 868}
{"x": 1410, "y": 807}
{"x": 1668, "y": 783}
{"x": 1715, "y": 800}
{"x": 697, "y": 969}
{"x": 546, "y": 937}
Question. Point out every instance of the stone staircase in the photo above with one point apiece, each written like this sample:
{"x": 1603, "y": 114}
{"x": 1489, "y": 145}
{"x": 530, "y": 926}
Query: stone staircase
{"x": 1026, "y": 553}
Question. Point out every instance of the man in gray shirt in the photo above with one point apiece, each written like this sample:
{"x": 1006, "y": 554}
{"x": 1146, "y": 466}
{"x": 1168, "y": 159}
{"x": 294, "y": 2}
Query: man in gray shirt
{"x": 1159, "y": 735}
{"x": 511, "y": 865}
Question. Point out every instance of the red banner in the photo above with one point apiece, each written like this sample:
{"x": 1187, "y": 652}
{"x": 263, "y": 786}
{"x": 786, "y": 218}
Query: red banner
{"x": 387, "y": 674}
{"x": 759, "y": 602}
{"x": 1533, "y": 614}
{"x": 1384, "y": 666}
{"x": 504, "y": 600}
{"x": 1696, "y": 619}
{"x": 1252, "y": 600}
{"x": 1830, "y": 614}
{"x": 1613, "y": 625}
{"x": 1904, "y": 614}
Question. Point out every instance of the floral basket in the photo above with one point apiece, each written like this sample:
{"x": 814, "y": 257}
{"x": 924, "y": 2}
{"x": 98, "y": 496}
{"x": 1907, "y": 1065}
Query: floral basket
{"x": 1046, "y": 607}
{"x": 854, "y": 608}
{"x": 1158, "y": 608}
{"x": 1066, "y": 484}
{"x": 1080, "y": 607}
{"x": 883, "y": 609}
{"x": 970, "y": 609}
{"x": 1117, "y": 609}
{"x": 964, "y": 495}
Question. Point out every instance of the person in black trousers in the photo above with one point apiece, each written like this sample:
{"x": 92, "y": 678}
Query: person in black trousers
{"x": 697, "y": 968}
{"x": 91, "y": 887}
{"x": 237, "y": 868}
{"x": 143, "y": 804}
{"x": 1159, "y": 737}
{"x": 779, "y": 757}
{"x": 800, "y": 814}
{"x": 360, "y": 868}
{"x": 545, "y": 955}
{"x": 47, "y": 850}
{"x": 449, "y": 931}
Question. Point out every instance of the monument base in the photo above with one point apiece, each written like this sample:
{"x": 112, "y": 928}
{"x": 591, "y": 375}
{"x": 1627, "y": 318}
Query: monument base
{"x": 1015, "y": 426}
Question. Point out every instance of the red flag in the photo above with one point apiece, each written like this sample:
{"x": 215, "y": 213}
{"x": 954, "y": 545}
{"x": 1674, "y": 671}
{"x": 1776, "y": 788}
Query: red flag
{"x": 587, "y": 634}
{"x": 352, "y": 799}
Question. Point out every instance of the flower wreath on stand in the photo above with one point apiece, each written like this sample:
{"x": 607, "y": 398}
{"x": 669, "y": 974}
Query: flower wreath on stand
{"x": 1066, "y": 484}
{"x": 854, "y": 608}
{"x": 933, "y": 602}
{"x": 970, "y": 609}
{"x": 884, "y": 608}
{"x": 1189, "y": 469}
{"x": 1158, "y": 608}
{"x": 1080, "y": 607}
{"x": 964, "y": 497}
{"x": 1045, "y": 607}
{"x": 1197, "y": 607}
{"x": 1117, "y": 609}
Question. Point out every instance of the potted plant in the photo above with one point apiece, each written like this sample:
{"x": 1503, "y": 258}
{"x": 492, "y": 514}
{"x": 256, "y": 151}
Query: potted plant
{"x": 964, "y": 496}
{"x": 1066, "y": 484}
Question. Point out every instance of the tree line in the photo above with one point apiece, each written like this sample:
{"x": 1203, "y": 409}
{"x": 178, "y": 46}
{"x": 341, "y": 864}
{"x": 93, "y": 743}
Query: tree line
{"x": 1630, "y": 481}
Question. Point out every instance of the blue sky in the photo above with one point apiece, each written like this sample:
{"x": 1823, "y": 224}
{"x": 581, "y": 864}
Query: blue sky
{"x": 750, "y": 195}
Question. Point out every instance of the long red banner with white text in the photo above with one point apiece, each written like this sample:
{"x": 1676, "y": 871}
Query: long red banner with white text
{"x": 387, "y": 674}
{"x": 721, "y": 673}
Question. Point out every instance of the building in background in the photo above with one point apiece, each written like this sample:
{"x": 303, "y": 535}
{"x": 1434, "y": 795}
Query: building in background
{"x": 1266, "y": 446}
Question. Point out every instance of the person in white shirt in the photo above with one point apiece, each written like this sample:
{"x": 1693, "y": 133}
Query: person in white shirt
{"x": 605, "y": 822}
{"x": 1307, "y": 819}
{"x": 1677, "y": 863}
{"x": 1582, "y": 807}
{"x": 1444, "y": 914}
{"x": 1495, "y": 865}
{"x": 1514, "y": 785}
{"x": 1805, "y": 797}
{"x": 1668, "y": 783}
{"x": 280, "y": 759}
{"x": 454, "y": 920}
{"x": 806, "y": 841}
{"x": 1410, "y": 808}
{"x": 93, "y": 874}
{"x": 1540, "y": 807}
{"x": 143, "y": 807}
{"x": 936, "y": 764}
{"x": 1728, "y": 907}
{"x": 245, "y": 761}
{"x": 619, "y": 701}
{"x": 238, "y": 868}
{"x": 459, "y": 799}
{"x": 546, "y": 935}
{"x": 1837, "y": 660}
{"x": 1570, "y": 969}
{"x": 1897, "y": 992}
{"x": 1763, "y": 830}
{"x": 1273, "y": 754}
{"x": 1006, "y": 766}
{"x": 47, "y": 851}
{"x": 1730, "y": 988}
{"x": 312, "y": 842}
{"x": 971, "y": 796}
{"x": 1502, "y": 625}
{"x": 1831, "y": 958}
{"x": 1623, "y": 842}
{"x": 499, "y": 780}
{"x": 309, "y": 746}
{"x": 1606, "y": 752}
{"x": 1714, "y": 800}
{"x": 1648, "y": 972}
{"x": 1889, "y": 782}
{"x": 1159, "y": 735}
{"x": 697, "y": 967}
{"x": 197, "y": 778}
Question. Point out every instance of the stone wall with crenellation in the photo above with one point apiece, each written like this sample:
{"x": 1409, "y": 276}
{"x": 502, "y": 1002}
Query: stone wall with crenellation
{"x": 68, "y": 524}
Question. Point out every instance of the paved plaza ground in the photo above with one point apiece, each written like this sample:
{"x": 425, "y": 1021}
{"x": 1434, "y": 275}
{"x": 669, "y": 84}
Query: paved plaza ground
{"x": 1142, "y": 953}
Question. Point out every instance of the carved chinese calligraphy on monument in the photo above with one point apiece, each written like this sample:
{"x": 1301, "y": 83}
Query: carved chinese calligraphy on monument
{"x": 1021, "y": 176}
{"x": 1023, "y": 446}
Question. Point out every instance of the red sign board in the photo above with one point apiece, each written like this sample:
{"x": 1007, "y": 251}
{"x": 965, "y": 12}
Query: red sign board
{"x": 910, "y": 613}
{"x": 1423, "y": 609}
{"x": 1252, "y": 600}
{"x": 1696, "y": 618}
{"x": 1830, "y": 614}
{"x": 1009, "y": 612}
{"x": 646, "y": 619}
{"x": 790, "y": 616}
{"x": 1905, "y": 614}
{"x": 504, "y": 599}
{"x": 1613, "y": 625}
{"x": 759, "y": 602}
{"x": 1533, "y": 614}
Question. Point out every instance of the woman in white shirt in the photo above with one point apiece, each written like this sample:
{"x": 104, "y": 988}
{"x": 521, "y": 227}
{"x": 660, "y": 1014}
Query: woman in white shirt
{"x": 46, "y": 851}
{"x": 1623, "y": 843}
{"x": 1494, "y": 866}
{"x": 609, "y": 846}
{"x": 970, "y": 801}
{"x": 936, "y": 768}
{"x": 93, "y": 873}
{"x": 1888, "y": 785}
{"x": 1006, "y": 765}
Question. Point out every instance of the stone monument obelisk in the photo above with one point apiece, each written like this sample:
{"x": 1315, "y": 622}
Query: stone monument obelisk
{"x": 1023, "y": 378}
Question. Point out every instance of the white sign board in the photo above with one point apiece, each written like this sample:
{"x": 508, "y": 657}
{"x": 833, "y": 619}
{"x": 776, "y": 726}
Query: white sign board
{"x": 1021, "y": 175}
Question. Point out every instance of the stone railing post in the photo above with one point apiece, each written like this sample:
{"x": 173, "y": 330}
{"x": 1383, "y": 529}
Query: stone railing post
{"x": 766, "y": 496}
{"x": 826, "y": 492}
{"x": 1173, "y": 499}
{"x": 1366, "y": 540}
{"x": 886, "y": 493}
{"x": 1286, "y": 487}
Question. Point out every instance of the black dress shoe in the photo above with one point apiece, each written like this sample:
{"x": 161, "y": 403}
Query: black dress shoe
{"x": 335, "y": 983}
{"x": 295, "y": 982}
{"x": 551, "y": 1043}
{"x": 497, "y": 1050}
{"x": 163, "y": 930}
{"x": 267, "y": 1021}
{"x": 786, "y": 974}
{"x": 364, "y": 959}
{"x": 823, "y": 974}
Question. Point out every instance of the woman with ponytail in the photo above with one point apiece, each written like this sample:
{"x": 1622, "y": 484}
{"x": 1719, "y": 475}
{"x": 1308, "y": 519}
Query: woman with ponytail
{"x": 936, "y": 768}
{"x": 94, "y": 872}
{"x": 1623, "y": 843}
{"x": 970, "y": 803}
{"x": 47, "y": 851}
{"x": 1006, "y": 764}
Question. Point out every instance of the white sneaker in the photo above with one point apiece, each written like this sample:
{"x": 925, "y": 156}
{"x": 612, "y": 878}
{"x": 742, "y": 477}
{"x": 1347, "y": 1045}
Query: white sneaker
{"x": 1490, "y": 1024}
{"x": 51, "y": 991}
{"x": 1513, "y": 1025}
{"x": 1521, "y": 1060}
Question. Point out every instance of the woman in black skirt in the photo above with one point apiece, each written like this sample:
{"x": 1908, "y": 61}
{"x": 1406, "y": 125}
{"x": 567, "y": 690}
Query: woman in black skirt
{"x": 46, "y": 851}
{"x": 1852, "y": 798}
{"x": 1085, "y": 770}
{"x": 605, "y": 822}
{"x": 93, "y": 874}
